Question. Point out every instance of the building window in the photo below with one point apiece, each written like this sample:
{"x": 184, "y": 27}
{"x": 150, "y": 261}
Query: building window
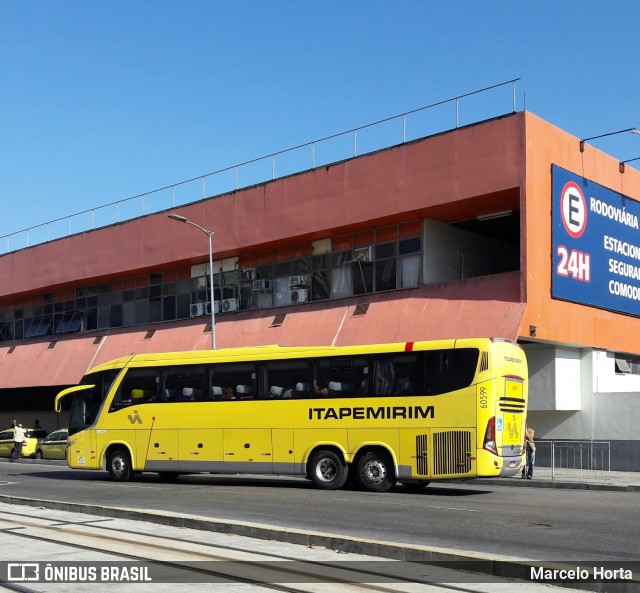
{"x": 370, "y": 261}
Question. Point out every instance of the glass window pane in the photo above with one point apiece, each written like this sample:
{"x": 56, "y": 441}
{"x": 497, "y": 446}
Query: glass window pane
{"x": 385, "y": 275}
{"x": 362, "y": 277}
{"x": 285, "y": 379}
{"x": 283, "y": 291}
{"x": 410, "y": 271}
{"x": 103, "y": 317}
{"x": 409, "y": 245}
{"x": 385, "y": 250}
{"x": 320, "y": 286}
{"x": 116, "y": 315}
{"x": 155, "y": 309}
{"x": 234, "y": 381}
{"x": 138, "y": 386}
{"x": 341, "y": 282}
{"x": 129, "y": 314}
{"x": 185, "y": 383}
{"x": 142, "y": 311}
{"x": 345, "y": 376}
{"x": 168, "y": 308}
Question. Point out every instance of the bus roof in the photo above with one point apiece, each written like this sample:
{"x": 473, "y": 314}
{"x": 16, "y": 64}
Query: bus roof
{"x": 274, "y": 352}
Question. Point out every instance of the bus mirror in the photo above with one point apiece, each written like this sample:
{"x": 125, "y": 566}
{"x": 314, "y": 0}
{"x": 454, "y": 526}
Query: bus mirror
{"x": 65, "y": 392}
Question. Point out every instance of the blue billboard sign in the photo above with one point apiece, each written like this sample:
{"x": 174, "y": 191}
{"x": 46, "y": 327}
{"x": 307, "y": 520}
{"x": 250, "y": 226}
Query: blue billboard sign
{"x": 596, "y": 244}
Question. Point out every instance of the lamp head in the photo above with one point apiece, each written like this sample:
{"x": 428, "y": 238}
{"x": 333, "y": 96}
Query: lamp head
{"x": 177, "y": 217}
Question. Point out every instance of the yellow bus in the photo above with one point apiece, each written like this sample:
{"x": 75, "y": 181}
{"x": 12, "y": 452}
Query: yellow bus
{"x": 373, "y": 415}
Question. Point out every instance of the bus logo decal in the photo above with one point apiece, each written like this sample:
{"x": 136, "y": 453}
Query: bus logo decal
{"x": 371, "y": 413}
{"x": 135, "y": 419}
{"x": 512, "y": 429}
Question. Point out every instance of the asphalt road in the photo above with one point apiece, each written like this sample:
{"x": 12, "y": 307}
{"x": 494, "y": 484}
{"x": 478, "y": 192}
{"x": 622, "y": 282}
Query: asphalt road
{"x": 535, "y": 524}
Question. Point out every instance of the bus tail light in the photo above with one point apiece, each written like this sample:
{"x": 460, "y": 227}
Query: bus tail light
{"x": 490, "y": 436}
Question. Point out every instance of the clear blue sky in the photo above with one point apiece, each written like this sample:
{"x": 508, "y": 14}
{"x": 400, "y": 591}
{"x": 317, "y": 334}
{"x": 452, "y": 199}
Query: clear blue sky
{"x": 100, "y": 101}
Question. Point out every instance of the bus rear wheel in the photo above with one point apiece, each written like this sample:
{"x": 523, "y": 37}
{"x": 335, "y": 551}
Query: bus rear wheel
{"x": 119, "y": 465}
{"x": 375, "y": 472}
{"x": 327, "y": 470}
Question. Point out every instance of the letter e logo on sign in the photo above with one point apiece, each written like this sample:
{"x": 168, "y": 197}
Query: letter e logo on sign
{"x": 573, "y": 207}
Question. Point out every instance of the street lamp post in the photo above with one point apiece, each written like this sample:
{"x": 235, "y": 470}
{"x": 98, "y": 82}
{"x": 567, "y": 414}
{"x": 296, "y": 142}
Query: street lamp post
{"x": 632, "y": 130}
{"x": 210, "y": 235}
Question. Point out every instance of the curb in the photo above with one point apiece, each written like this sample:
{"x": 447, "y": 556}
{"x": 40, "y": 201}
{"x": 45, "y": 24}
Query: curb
{"x": 562, "y": 485}
{"x": 466, "y": 561}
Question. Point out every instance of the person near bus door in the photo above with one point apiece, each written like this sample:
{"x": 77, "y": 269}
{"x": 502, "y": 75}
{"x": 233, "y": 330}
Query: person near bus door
{"x": 18, "y": 438}
{"x": 530, "y": 450}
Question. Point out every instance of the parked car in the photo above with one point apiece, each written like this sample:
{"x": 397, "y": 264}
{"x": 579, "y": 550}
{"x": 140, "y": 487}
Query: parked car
{"x": 31, "y": 437}
{"x": 53, "y": 446}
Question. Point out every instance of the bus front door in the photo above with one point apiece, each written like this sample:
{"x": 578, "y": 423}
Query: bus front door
{"x": 81, "y": 450}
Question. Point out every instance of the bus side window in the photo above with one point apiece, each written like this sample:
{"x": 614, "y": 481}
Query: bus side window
{"x": 286, "y": 379}
{"x": 396, "y": 374}
{"x": 233, "y": 381}
{"x": 184, "y": 383}
{"x": 346, "y": 376}
{"x": 450, "y": 370}
{"x": 139, "y": 385}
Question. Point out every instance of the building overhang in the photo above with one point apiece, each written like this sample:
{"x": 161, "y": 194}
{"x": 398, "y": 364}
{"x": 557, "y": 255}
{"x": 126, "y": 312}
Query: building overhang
{"x": 487, "y": 306}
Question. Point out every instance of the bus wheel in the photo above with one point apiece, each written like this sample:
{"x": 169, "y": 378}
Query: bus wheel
{"x": 119, "y": 465}
{"x": 327, "y": 470}
{"x": 169, "y": 476}
{"x": 375, "y": 472}
{"x": 415, "y": 484}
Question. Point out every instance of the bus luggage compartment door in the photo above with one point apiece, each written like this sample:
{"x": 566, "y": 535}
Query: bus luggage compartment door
{"x": 248, "y": 450}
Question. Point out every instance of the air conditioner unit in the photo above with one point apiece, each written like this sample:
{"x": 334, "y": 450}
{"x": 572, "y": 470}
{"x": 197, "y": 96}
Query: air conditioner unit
{"x": 297, "y": 281}
{"x": 363, "y": 253}
{"x": 261, "y": 285}
{"x": 248, "y": 274}
{"x": 229, "y": 305}
{"x": 216, "y": 307}
{"x": 300, "y": 295}
{"x": 196, "y": 310}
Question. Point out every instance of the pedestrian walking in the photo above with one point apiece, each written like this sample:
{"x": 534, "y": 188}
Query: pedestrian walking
{"x": 18, "y": 441}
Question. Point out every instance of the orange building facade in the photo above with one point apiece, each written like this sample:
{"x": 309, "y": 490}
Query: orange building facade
{"x": 454, "y": 235}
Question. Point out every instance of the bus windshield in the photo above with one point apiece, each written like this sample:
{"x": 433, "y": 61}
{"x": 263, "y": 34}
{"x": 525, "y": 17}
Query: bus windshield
{"x": 86, "y": 404}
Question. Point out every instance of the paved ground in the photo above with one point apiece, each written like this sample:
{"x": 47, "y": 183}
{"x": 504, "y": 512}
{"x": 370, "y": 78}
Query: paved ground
{"x": 492, "y": 565}
{"x": 544, "y": 477}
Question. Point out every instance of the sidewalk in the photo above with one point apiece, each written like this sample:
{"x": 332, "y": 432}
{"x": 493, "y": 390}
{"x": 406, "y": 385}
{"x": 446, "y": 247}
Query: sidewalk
{"x": 543, "y": 477}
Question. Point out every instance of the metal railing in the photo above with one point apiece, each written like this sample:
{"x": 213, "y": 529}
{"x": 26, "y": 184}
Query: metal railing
{"x": 304, "y": 157}
{"x": 574, "y": 460}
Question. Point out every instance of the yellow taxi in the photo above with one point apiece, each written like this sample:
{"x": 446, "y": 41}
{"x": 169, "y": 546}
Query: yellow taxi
{"x": 53, "y": 446}
{"x": 31, "y": 438}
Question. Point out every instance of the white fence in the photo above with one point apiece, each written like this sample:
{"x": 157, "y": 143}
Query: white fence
{"x": 574, "y": 460}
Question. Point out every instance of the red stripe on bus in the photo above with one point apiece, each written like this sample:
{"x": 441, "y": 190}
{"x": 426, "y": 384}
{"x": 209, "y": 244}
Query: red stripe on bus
{"x": 408, "y": 347}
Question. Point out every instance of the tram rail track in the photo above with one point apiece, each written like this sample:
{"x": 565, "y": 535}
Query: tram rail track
{"x": 191, "y": 561}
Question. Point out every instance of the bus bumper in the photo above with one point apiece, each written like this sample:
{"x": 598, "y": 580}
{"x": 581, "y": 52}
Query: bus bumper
{"x": 511, "y": 466}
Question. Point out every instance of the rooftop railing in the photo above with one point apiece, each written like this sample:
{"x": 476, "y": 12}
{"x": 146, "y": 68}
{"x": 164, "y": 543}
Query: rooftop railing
{"x": 424, "y": 121}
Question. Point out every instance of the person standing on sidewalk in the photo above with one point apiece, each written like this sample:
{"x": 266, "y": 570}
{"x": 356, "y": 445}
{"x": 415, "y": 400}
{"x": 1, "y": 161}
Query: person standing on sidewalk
{"x": 530, "y": 450}
{"x": 18, "y": 438}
